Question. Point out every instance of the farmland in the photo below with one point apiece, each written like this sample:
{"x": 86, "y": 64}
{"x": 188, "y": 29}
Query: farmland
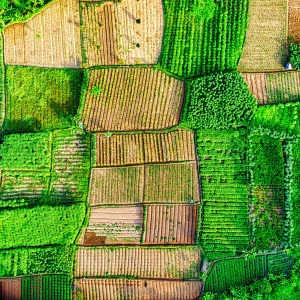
{"x": 131, "y": 106}
{"x": 149, "y": 149}
{"x": 266, "y": 39}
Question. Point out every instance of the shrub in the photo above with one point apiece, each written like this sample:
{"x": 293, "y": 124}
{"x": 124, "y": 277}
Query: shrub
{"x": 294, "y": 50}
{"x": 218, "y": 101}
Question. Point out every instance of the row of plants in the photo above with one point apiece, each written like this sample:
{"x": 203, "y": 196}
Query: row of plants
{"x": 34, "y": 260}
{"x": 40, "y": 225}
{"x": 203, "y": 36}
{"x": 40, "y": 99}
{"x": 224, "y": 229}
{"x": 218, "y": 101}
{"x": 2, "y": 81}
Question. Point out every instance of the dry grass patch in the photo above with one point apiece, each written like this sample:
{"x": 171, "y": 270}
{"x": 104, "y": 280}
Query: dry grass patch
{"x": 266, "y": 39}
{"x": 49, "y": 39}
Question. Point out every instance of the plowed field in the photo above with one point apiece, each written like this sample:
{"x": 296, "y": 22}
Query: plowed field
{"x": 294, "y": 19}
{"x": 10, "y": 289}
{"x": 168, "y": 262}
{"x": 116, "y": 225}
{"x": 126, "y": 149}
{"x": 132, "y": 99}
{"x": 112, "y": 289}
{"x": 171, "y": 224}
{"x": 49, "y": 39}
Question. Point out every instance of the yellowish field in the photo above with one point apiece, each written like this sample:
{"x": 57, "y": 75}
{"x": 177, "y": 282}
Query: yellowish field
{"x": 146, "y": 262}
{"x": 132, "y": 99}
{"x": 137, "y": 289}
{"x": 266, "y": 39}
{"x": 116, "y": 225}
{"x": 126, "y": 149}
{"x": 49, "y": 39}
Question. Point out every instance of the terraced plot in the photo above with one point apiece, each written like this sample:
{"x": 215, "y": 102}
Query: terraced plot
{"x": 145, "y": 262}
{"x": 121, "y": 185}
{"x": 273, "y": 88}
{"x": 266, "y": 38}
{"x": 126, "y": 149}
{"x": 225, "y": 225}
{"x": 171, "y": 224}
{"x": 128, "y": 103}
{"x": 129, "y": 32}
{"x": 111, "y": 289}
{"x": 113, "y": 225}
{"x": 49, "y": 39}
{"x": 294, "y": 19}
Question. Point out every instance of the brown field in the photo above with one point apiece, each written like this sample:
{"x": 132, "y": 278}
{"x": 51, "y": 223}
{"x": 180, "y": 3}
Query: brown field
{"x": 70, "y": 149}
{"x": 113, "y": 36}
{"x": 126, "y": 149}
{"x": 26, "y": 185}
{"x": 171, "y": 224}
{"x": 128, "y": 103}
{"x": 139, "y": 261}
{"x": 137, "y": 289}
{"x": 272, "y": 88}
{"x": 49, "y": 39}
{"x": 99, "y": 34}
{"x": 119, "y": 185}
{"x": 116, "y": 225}
{"x": 266, "y": 39}
{"x": 10, "y": 289}
{"x": 171, "y": 183}
{"x": 257, "y": 86}
{"x": 294, "y": 19}
{"x": 148, "y": 34}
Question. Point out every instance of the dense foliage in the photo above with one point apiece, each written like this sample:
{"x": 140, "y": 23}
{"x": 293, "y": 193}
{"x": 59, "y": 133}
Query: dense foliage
{"x": 35, "y": 260}
{"x": 294, "y": 53}
{"x": 267, "y": 181}
{"x": 203, "y": 36}
{"x": 223, "y": 174}
{"x": 2, "y": 83}
{"x": 41, "y": 99}
{"x": 218, "y": 101}
{"x": 18, "y": 10}
{"x": 282, "y": 117}
{"x": 40, "y": 225}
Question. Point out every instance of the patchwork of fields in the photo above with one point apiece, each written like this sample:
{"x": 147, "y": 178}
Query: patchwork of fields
{"x": 134, "y": 161}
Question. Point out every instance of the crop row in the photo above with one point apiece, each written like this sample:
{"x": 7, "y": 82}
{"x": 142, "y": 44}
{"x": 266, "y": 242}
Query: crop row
{"x": 200, "y": 40}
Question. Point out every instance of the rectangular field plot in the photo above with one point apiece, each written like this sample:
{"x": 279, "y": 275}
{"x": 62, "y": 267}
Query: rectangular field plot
{"x": 113, "y": 225}
{"x": 266, "y": 38}
{"x": 146, "y": 262}
{"x": 171, "y": 183}
{"x": 137, "y": 289}
{"x": 273, "y": 88}
{"x": 49, "y": 39}
{"x": 268, "y": 204}
{"x": 119, "y": 185}
{"x": 10, "y": 289}
{"x": 225, "y": 225}
{"x": 70, "y": 166}
{"x": 20, "y": 188}
{"x": 171, "y": 224}
{"x": 294, "y": 19}
{"x": 126, "y": 149}
{"x": 131, "y": 99}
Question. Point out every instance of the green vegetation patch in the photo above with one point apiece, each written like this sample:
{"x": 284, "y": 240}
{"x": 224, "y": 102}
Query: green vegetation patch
{"x": 47, "y": 287}
{"x": 2, "y": 80}
{"x": 41, "y": 99}
{"x": 203, "y": 36}
{"x": 223, "y": 175}
{"x": 281, "y": 117}
{"x": 35, "y": 260}
{"x": 267, "y": 181}
{"x": 26, "y": 152}
{"x": 41, "y": 225}
{"x": 294, "y": 55}
{"x": 218, "y": 101}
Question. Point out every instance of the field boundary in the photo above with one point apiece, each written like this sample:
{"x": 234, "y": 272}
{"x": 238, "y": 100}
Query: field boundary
{"x": 2, "y": 83}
